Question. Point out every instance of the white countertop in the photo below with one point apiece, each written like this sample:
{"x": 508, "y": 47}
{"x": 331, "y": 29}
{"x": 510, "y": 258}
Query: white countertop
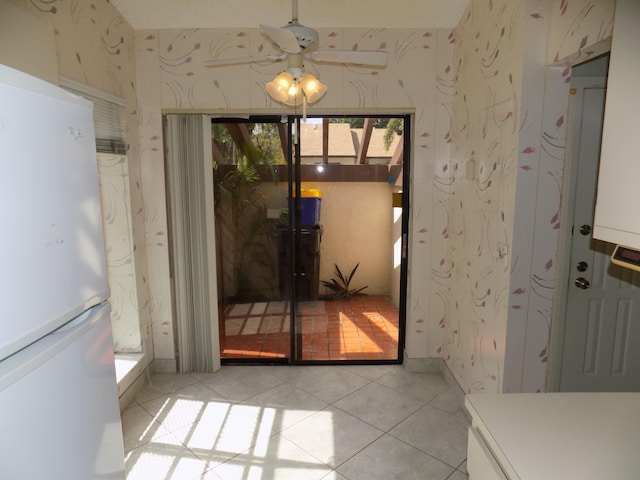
{"x": 561, "y": 435}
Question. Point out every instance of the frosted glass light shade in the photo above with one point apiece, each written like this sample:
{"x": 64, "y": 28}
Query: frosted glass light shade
{"x": 313, "y": 89}
{"x": 294, "y": 95}
{"x": 287, "y": 89}
{"x": 279, "y": 87}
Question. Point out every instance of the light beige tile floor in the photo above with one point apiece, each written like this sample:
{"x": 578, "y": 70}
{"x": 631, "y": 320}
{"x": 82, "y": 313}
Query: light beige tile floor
{"x": 297, "y": 423}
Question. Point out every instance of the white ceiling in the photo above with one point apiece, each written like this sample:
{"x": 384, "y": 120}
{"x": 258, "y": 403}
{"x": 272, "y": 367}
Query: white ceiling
{"x": 152, "y": 14}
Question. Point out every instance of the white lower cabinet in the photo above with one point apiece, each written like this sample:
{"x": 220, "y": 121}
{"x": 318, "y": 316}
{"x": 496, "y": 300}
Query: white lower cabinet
{"x": 554, "y": 436}
{"x": 481, "y": 464}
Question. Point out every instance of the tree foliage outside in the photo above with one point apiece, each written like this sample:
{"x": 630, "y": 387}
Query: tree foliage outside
{"x": 245, "y": 234}
{"x": 395, "y": 126}
{"x": 265, "y": 138}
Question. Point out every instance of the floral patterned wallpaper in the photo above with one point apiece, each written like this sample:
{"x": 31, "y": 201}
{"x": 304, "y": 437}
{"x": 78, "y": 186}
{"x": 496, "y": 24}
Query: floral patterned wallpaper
{"x": 509, "y": 125}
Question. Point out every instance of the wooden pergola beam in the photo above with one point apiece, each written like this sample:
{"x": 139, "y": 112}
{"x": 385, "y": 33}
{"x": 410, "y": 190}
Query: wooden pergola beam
{"x": 240, "y": 134}
{"x": 217, "y": 154}
{"x": 325, "y": 141}
{"x": 284, "y": 140}
{"x": 396, "y": 158}
{"x": 367, "y": 129}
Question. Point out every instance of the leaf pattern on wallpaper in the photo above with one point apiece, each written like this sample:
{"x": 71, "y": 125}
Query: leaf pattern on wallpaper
{"x": 480, "y": 293}
{"x": 584, "y": 41}
{"x": 45, "y": 6}
{"x": 441, "y": 273}
{"x": 543, "y": 355}
{"x": 563, "y": 6}
{"x": 368, "y": 36}
{"x": 553, "y": 145}
{"x": 223, "y": 45}
{"x": 492, "y": 50}
{"x": 479, "y": 298}
{"x": 112, "y": 46}
{"x": 408, "y": 44}
{"x": 578, "y": 24}
{"x": 459, "y": 223}
{"x": 175, "y": 60}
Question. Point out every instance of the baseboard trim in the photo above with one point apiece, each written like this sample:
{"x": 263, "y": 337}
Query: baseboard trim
{"x": 433, "y": 365}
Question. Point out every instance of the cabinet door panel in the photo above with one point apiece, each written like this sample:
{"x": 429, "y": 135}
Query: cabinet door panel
{"x": 616, "y": 218}
{"x": 481, "y": 463}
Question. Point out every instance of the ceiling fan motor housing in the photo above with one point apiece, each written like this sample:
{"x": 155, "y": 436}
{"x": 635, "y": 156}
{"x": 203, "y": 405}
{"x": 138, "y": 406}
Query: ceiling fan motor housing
{"x": 307, "y": 37}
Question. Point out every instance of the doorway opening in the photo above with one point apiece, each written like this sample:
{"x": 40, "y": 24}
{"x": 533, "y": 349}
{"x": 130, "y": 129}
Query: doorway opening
{"x": 311, "y": 234}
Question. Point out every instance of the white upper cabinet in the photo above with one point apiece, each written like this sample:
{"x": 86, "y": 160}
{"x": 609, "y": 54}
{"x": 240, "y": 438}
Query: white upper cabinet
{"x": 617, "y": 216}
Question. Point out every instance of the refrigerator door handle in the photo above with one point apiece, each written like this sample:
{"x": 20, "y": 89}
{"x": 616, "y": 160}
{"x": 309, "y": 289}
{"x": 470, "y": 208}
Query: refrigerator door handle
{"x": 20, "y": 364}
{"x": 80, "y": 320}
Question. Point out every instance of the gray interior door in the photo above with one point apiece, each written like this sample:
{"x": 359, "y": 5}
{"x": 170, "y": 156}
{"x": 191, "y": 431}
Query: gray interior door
{"x": 602, "y": 331}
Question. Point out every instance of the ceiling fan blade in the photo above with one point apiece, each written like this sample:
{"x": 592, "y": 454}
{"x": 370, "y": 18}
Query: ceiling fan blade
{"x": 240, "y": 60}
{"x": 282, "y": 37}
{"x": 356, "y": 57}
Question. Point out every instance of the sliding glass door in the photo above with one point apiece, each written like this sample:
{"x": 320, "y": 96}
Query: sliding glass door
{"x": 311, "y": 234}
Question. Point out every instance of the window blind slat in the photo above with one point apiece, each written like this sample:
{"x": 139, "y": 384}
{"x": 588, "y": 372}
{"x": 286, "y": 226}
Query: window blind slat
{"x": 109, "y": 122}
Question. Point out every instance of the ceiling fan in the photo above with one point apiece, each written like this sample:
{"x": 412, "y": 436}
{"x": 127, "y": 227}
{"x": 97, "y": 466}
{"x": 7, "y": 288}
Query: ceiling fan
{"x": 299, "y": 43}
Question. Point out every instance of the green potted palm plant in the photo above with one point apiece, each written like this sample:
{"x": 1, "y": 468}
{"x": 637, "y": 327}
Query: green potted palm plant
{"x": 340, "y": 285}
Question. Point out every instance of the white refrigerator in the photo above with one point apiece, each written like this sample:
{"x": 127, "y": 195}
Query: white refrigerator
{"x": 59, "y": 413}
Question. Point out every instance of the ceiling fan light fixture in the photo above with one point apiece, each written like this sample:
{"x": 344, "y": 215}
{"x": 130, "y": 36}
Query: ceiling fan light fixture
{"x": 294, "y": 95}
{"x": 313, "y": 88}
{"x": 290, "y": 89}
{"x": 279, "y": 87}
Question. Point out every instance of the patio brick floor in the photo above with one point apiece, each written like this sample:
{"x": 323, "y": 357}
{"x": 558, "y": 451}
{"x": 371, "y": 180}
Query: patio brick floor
{"x": 362, "y": 328}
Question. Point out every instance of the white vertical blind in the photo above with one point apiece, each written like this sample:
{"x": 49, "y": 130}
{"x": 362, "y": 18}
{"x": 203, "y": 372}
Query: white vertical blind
{"x": 190, "y": 195}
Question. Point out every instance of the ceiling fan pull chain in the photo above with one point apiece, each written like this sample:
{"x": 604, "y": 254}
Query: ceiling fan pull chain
{"x": 304, "y": 108}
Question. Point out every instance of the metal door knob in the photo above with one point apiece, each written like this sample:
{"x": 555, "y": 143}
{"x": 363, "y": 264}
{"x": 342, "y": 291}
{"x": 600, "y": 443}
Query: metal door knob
{"x": 582, "y": 283}
{"x": 585, "y": 229}
{"x": 582, "y": 266}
